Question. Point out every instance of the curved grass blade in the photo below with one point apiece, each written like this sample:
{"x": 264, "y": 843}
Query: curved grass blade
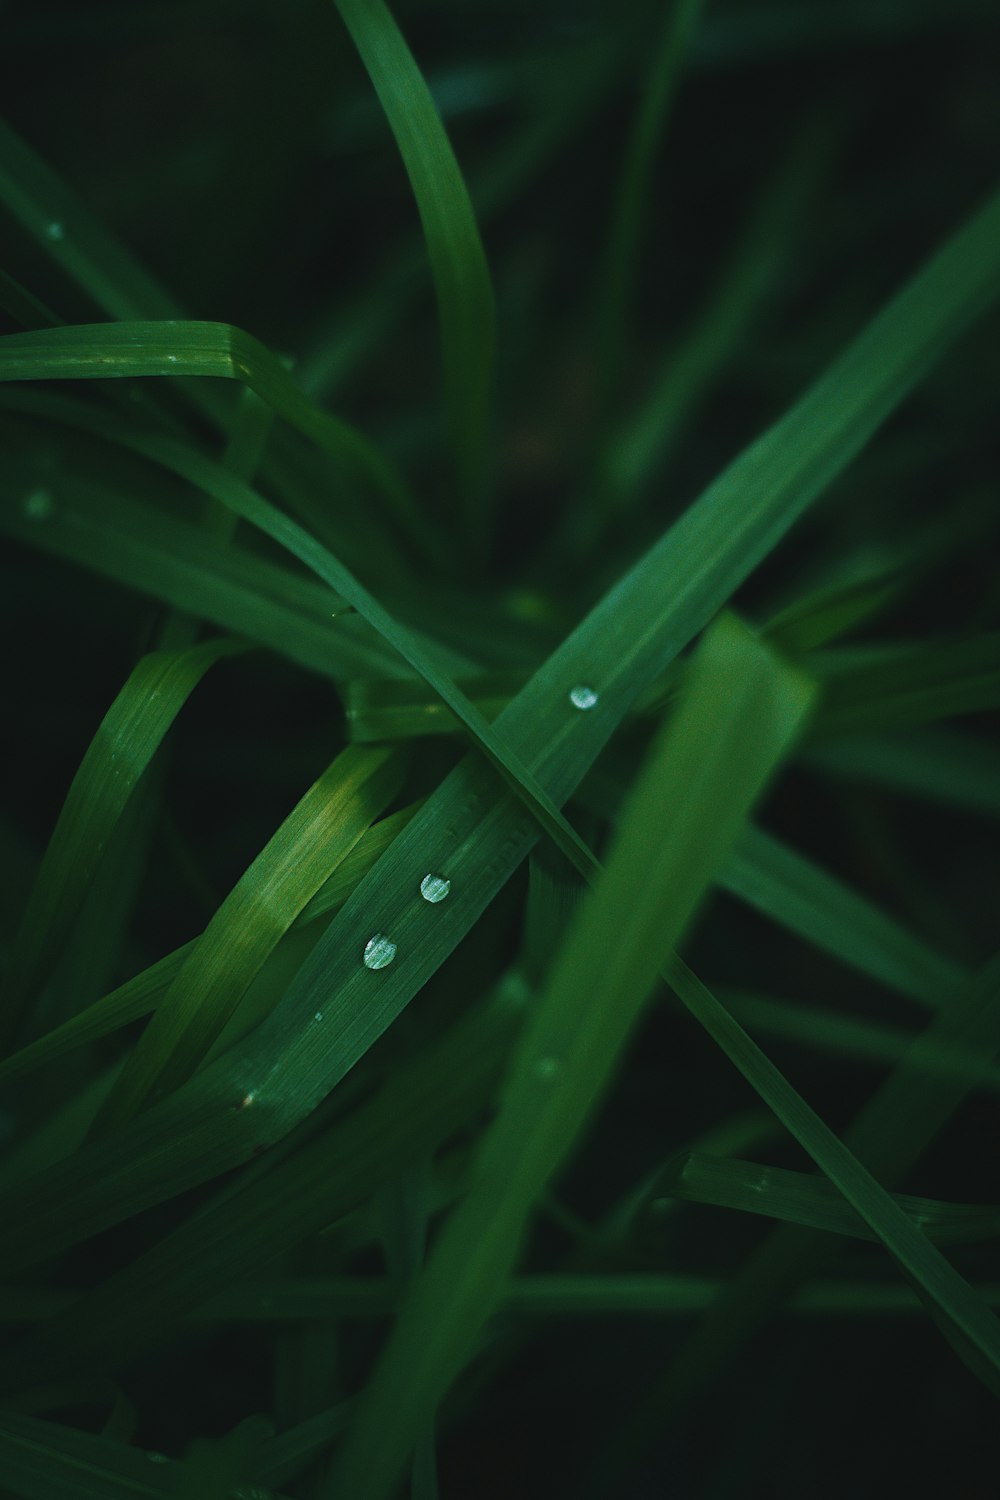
{"x": 458, "y": 263}
{"x": 130, "y": 733}
{"x": 176, "y": 348}
{"x": 738, "y": 716}
{"x": 812, "y": 1201}
{"x": 288, "y": 872}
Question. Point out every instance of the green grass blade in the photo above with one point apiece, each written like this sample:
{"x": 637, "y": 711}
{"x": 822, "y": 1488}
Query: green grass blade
{"x": 812, "y": 1201}
{"x": 942, "y": 766}
{"x": 318, "y": 833}
{"x": 458, "y": 263}
{"x": 97, "y": 351}
{"x": 908, "y": 686}
{"x": 797, "y": 892}
{"x": 130, "y": 734}
{"x": 738, "y": 717}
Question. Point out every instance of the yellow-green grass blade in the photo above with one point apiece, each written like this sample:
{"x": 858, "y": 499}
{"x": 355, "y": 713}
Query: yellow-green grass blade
{"x": 797, "y": 892}
{"x": 129, "y": 735}
{"x": 466, "y": 828}
{"x": 812, "y": 1201}
{"x": 945, "y": 766}
{"x": 317, "y": 834}
{"x": 177, "y": 348}
{"x": 458, "y": 263}
{"x": 902, "y": 687}
{"x": 616, "y": 294}
{"x": 740, "y": 711}
{"x": 141, "y": 995}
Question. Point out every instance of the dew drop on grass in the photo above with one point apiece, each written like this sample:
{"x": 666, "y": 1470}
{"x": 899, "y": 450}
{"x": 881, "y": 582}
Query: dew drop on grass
{"x": 379, "y": 952}
{"x": 55, "y": 230}
{"x": 39, "y": 505}
{"x": 582, "y": 697}
{"x": 434, "y": 888}
{"x": 171, "y": 359}
{"x": 318, "y": 1016}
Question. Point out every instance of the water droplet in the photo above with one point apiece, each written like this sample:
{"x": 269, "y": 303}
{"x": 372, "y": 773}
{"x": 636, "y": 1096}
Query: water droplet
{"x": 158, "y": 1458}
{"x": 39, "y": 505}
{"x": 318, "y": 1016}
{"x": 247, "y": 1100}
{"x": 434, "y": 888}
{"x": 379, "y": 952}
{"x": 547, "y": 1068}
{"x": 55, "y": 230}
{"x": 171, "y": 359}
{"x": 582, "y": 697}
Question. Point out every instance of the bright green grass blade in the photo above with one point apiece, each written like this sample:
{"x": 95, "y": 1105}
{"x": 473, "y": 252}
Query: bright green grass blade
{"x": 906, "y": 686}
{"x": 797, "y": 892}
{"x": 939, "y": 765}
{"x": 290, "y": 869}
{"x": 386, "y": 710}
{"x": 635, "y": 192}
{"x": 129, "y": 736}
{"x": 458, "y": 264}
{"x": 470, "y": 832}
{"x": 812, "y": 1201}
{"x": 738, "y": 716}
{"x": 139, "y": 996}
{"x": 834, "y": 1034}
{"x": 175, "y": 348}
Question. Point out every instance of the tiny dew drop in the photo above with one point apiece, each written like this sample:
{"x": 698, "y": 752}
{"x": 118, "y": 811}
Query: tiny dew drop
{"x": 38, "y": 506}
{"x": 318, "y": 1016}
{"x": 379, "y": 952}
{"x": 171, "y": 359}
{"x": 55, "y": 230}
{"x": 582, "y": 697}
{"x": 434, "y": 888}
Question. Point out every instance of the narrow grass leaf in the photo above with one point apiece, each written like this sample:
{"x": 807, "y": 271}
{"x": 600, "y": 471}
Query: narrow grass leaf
{"x": 908, "y": 686}
{"x": 739, "y": 714}
{"x": 129, "y": 735}
{"x": 318, "y": 833}
{"x": 812, "y": 1201}
{"x": 458, "y": 262}
{"x": 943, "y": 766}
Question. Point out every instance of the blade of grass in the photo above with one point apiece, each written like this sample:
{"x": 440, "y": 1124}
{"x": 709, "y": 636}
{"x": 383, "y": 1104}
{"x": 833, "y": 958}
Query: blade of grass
{"x": 940, "y": 765}
{"x": 739, "y": 713}
{"x": 458, "y": 263}
{"x": 318, "y": 833}
{"x": 128, "y": 738}
{"x": 906, "y": 686}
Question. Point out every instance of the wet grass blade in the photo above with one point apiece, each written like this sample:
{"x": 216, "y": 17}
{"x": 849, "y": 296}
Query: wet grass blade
{"x": 318, "y": 833}
{"x": 130, "y": 734}
{"x": 739, "y": 714}
{"x": 458, "y": 263}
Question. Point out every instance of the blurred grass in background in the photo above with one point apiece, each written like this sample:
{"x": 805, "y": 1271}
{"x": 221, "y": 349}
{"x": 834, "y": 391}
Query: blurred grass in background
{"x": 287, "y": 604}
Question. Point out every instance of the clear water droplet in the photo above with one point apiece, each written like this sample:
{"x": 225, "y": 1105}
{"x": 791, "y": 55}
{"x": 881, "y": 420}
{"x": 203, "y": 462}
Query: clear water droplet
{"x": 39, "y": 505}
{"x": 171, "y": 359}
{"x": 547, "y": 1068}
{"x": 582, "y": 697}
{"x": 55, "y": 230}
{"x": 318, "y": 1016}
{"x": 434, "y": 888}
{"x": 379, "y": 952}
